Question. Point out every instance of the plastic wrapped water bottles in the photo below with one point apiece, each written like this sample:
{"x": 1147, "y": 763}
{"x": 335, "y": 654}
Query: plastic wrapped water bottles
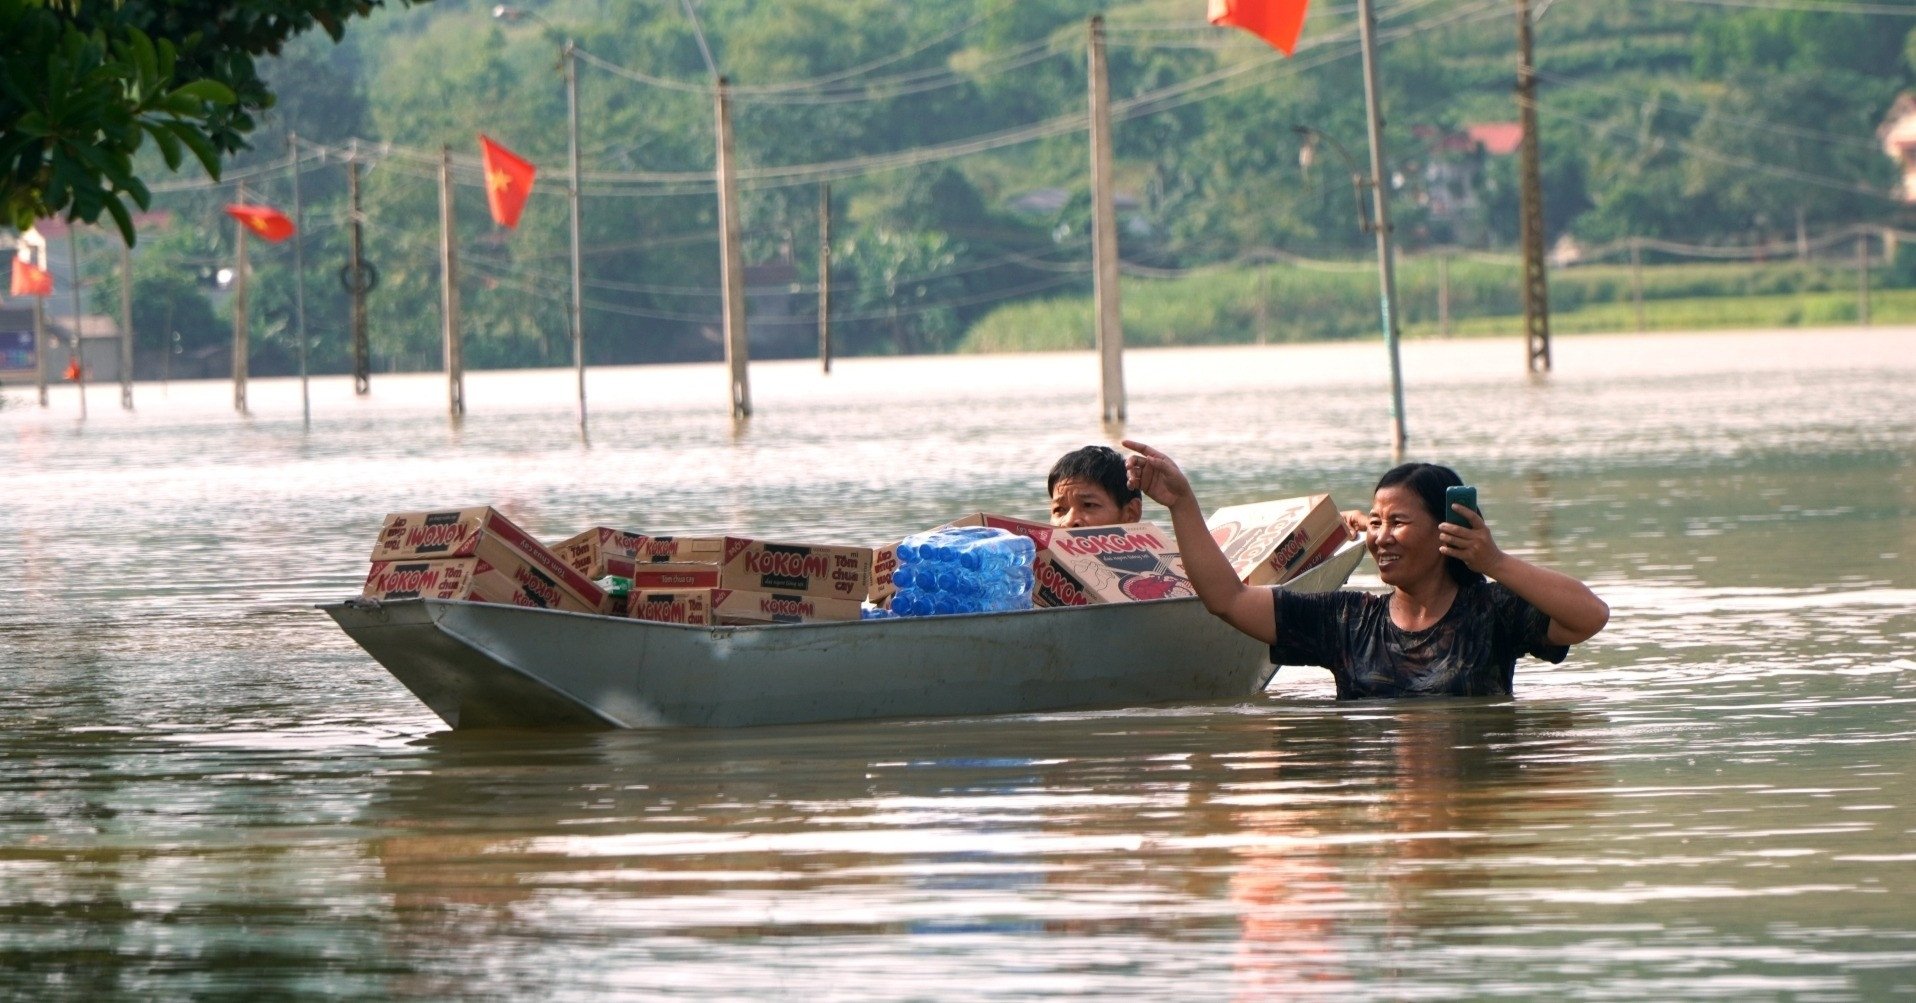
{"x": 962, "y": 569}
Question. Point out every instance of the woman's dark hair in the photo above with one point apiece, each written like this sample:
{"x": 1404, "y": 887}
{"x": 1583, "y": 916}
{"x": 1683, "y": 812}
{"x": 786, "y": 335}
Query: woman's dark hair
{"x": 1100, "y": 465}
{"x": 1428, "y": 481}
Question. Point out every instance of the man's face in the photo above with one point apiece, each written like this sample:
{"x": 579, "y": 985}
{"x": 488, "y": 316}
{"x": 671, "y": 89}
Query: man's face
{"x": 1076, "y": 503}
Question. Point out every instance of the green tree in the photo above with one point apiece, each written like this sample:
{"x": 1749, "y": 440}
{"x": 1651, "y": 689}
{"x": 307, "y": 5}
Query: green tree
{"x": 84, "y": 85}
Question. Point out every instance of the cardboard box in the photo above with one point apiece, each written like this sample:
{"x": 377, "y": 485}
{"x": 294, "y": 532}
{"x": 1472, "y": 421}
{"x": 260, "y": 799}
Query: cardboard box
{"x": 790, "y": 568}
{"x": 675, "y": 575}
{"x": 885, "y": 558}
{"x": 602, "y": 551}
{"x": 477, "y": 532}
{"x": 1272, "y": 542}
{"x": 691, "y": 606}
{"x": 475, "y": 579}
{"x": 683, "y": 549}
{"x": 1107, "y": 564}
{"x": 752, "y": 606}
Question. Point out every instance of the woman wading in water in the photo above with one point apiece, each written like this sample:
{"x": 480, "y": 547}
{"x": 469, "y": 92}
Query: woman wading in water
{"x": 1442, "y": 630}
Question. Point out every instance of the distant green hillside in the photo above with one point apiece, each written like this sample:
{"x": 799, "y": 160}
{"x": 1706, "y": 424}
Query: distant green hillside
{"x": 951, "y": 136}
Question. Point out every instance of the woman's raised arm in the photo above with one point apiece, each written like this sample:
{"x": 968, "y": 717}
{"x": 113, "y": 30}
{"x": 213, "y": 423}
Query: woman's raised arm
{"x": 1249, "y": 609}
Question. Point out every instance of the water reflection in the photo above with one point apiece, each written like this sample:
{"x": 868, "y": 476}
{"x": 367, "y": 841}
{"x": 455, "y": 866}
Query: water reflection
{"x": 209, "y": 792}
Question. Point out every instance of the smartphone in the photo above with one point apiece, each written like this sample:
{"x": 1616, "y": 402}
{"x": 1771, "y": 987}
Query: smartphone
{"x": 1460, "y": 494}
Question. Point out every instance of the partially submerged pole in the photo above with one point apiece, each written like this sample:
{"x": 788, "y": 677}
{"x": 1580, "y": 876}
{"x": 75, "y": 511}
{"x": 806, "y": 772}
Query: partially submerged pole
{"x": 449, "y": 292}
{"x": 732, "y": 261}
{"x": 239, "y": 315}
{"x": 76, "y": 346}
{"x": 40, "y": 346}
{"x": 299, "y": 285}
{"x": 578, "y": 265}
{"x": 358, "y": 282}
{"x": 825, "y": 276}
{"x": 1536, "y": 283}
{"x": 1380, "y": 207}
{"x": 1104, "y": 238}
{"x": 126, "y": 326}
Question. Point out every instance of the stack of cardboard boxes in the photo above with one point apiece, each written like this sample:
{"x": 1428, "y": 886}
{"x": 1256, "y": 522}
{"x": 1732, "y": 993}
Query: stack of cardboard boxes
{"x": 475, "y": 554}
{"x": 478, "y": 554}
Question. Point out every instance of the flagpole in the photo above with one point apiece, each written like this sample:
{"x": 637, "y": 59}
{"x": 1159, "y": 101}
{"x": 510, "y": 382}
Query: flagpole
{"x": 1380, "y": 205}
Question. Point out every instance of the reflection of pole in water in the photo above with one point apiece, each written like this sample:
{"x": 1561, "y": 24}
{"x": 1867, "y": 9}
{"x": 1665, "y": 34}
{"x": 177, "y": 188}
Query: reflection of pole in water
{"x": 1536, "y": 488}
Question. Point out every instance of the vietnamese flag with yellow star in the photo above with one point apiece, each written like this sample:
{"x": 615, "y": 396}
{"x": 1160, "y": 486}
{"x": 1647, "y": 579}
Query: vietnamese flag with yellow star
{"x": 266, "y": 221}
{"x": 1278, "y": 22}
{"x": 508, "y": 181}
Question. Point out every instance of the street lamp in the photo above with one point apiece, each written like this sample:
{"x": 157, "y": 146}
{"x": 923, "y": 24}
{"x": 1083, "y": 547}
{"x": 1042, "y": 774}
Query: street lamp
{"x": 569, "y": 57}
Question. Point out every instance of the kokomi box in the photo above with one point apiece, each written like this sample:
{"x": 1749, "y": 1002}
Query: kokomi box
{"x": 1109, "y": 564}
{"x": 683, "y": 549}
{"x": 602, "y": 551}
{"x": 745, "y": 607}
{"x": 827, "y": 572}
{"x": 885, "y": 558}
{"x": 675, "y": 575}
{"x": 495, "y": 576}
{"x": 1272, "y": 542}
{"x": 472, "y": 532}
{"x": 689, "y": 606}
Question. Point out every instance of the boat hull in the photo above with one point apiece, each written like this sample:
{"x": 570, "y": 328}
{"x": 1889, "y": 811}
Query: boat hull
{"x": 481, "y": 665}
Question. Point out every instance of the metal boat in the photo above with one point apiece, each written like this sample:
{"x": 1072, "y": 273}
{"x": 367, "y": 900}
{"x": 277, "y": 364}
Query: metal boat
{"x": 480, "y": 665}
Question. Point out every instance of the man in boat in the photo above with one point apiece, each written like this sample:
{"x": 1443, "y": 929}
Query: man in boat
{"x": 1460, "y": 612}
{"x": 1089, "y": 487}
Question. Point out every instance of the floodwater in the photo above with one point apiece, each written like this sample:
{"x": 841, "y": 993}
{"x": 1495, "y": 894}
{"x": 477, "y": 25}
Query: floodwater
{"x": 208, "y": 792}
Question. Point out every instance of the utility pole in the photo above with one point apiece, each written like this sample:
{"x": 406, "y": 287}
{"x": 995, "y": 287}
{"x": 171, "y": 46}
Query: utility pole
{"x": 732, "y": 260}
{"x": 578, "y": 256}
{"x": 1536, "y": 289}
{"x": 825, "y": 275}
{"x": 449, "y": 291}
{"x": 126, "y": 326}
{"x": 299, "y": 284}
{"x": 239, "y": 314}
{"x": 1863, "y": 280}
{"x": 1636, "y": 279}
{"x": 358, "y": 282}
{"x": 40, "y": 344}
{"x": 76, "y": 345}
{"x": 1380, "y": 209}
{"x": 1104, "y": 238}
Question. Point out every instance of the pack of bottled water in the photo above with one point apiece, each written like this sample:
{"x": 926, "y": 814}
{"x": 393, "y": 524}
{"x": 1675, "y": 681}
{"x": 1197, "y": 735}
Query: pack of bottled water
{"x": 962, "y": 569}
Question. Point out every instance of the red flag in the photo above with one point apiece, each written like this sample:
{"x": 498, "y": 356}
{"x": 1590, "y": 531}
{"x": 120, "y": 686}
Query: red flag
{"x": 1278, "y": 22}
{"x": 30, "y": 279}
{"x": 266, "y": 221}
{"x": 508, "y": 181}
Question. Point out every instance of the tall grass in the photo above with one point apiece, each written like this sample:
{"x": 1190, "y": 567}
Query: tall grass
{"x": 1284, "y": 303}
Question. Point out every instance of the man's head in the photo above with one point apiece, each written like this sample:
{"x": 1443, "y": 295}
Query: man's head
{"x": 1087, "y": 488}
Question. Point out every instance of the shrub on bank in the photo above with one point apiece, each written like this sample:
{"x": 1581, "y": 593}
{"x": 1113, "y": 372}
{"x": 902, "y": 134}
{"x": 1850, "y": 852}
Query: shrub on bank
{"x": 1291, "y": 303}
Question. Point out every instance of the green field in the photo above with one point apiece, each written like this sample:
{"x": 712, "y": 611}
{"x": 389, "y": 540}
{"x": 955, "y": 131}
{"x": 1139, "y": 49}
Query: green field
{"x": 1289, "y": 303}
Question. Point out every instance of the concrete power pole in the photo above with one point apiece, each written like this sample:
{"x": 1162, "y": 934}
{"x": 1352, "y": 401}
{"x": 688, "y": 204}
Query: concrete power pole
{"x": 358, "y": 281}
{"x": 1380, "y": 208}
{"x": 825, "y": 276}
{"x": 239, "y": 315}
{"x": 126, "y": 326}
{"x": 1104, "y": 238}
{"x": 732, "y": 261}
{"x": 1536, "y": 287}
{"x": 449, "y": 292}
